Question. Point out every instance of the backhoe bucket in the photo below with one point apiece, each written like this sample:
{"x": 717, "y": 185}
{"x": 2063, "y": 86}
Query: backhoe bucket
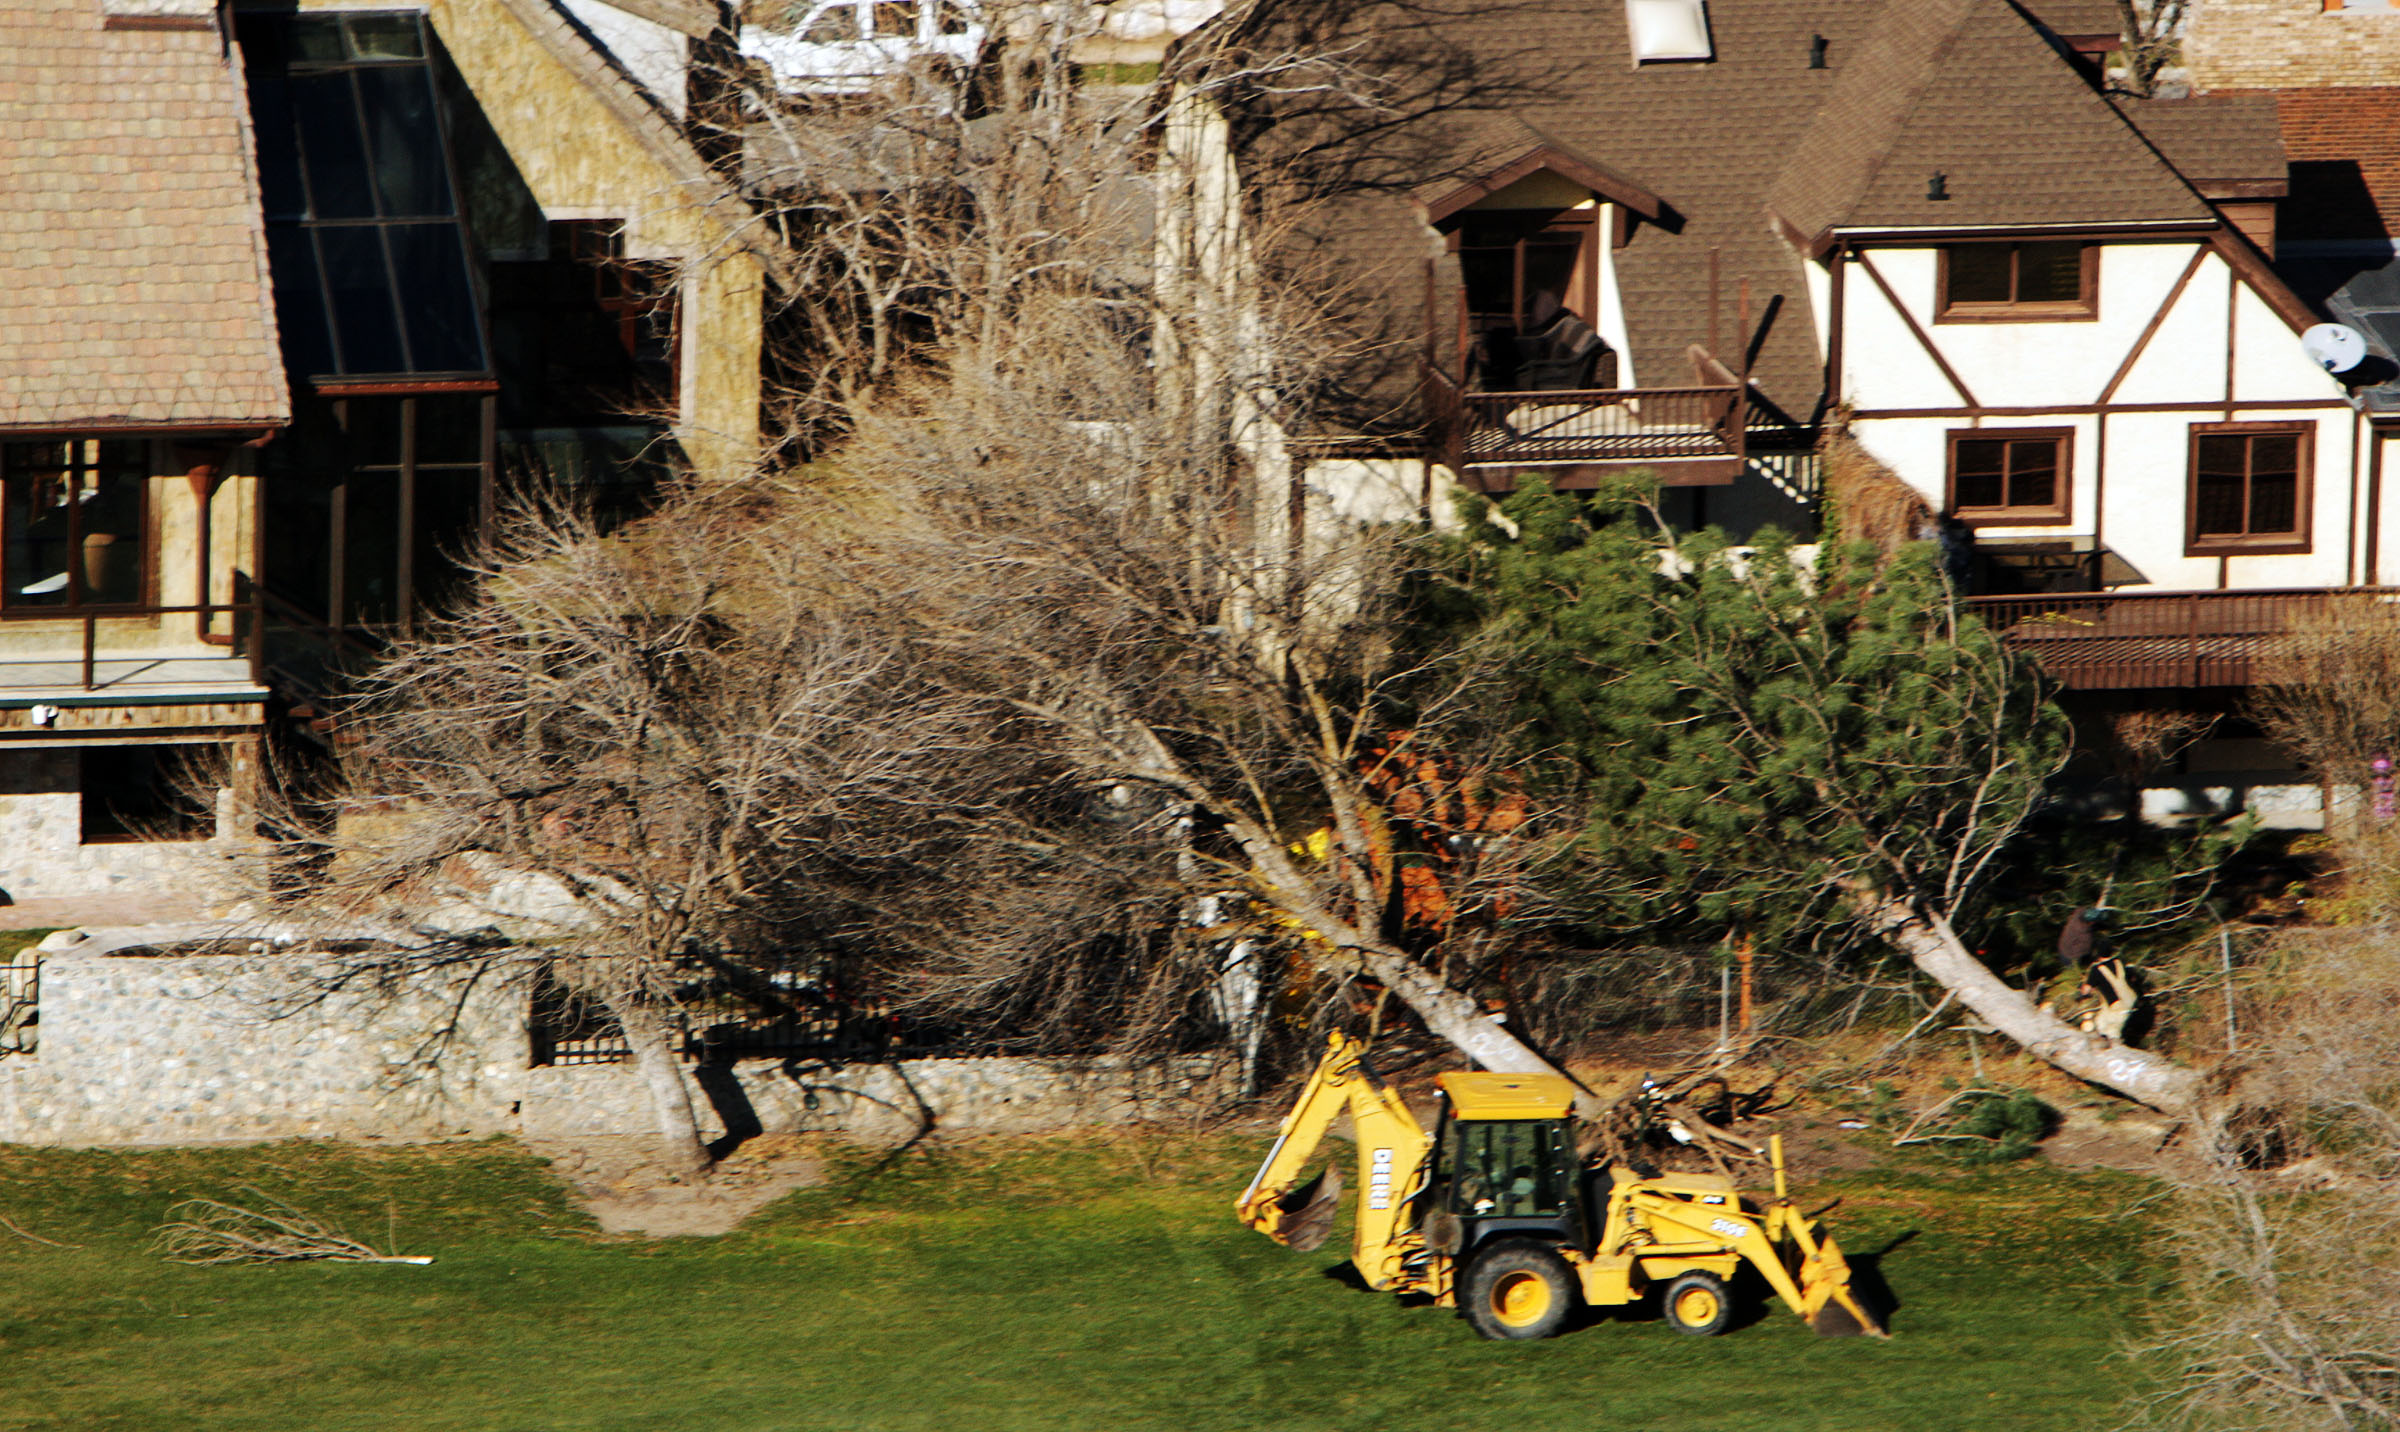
{"x": 1303, "y": 1218}
{"x": 1825, "y": 1296}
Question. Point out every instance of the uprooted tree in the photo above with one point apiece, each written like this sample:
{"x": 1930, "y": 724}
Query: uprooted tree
{"x": 1016, "y": 654}
{"x": 1815, "y": 749}
{"x": 1057, "y": 342}
{"x": 633, "y": 763}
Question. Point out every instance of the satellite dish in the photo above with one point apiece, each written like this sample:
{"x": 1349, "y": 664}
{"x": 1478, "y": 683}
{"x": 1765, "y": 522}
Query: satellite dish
{"x": 2334, "y": 348}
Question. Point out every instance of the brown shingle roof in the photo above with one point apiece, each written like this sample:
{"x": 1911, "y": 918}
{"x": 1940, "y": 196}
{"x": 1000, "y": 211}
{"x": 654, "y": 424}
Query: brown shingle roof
{"x": 133, "y": 282}
{"x": 2068, "y": 18}
{"x": 2214, "y": 139}
{"x": 1966, "y": 89}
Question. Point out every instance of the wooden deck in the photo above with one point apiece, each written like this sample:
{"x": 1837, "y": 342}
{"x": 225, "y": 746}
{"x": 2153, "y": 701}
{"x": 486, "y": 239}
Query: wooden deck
{"x": 2152, "y": 640}
{"x": 1687, "y": 436}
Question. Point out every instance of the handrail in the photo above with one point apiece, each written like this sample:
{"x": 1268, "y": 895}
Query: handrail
{"x": 89, "y": 618}
{"x": 2218, "y": 594}
{"x": 1517, "y": 396}
{"x": 2109, "y": 640}
{"x": 1624, "y": 425}
{"x": 298, "y": 616}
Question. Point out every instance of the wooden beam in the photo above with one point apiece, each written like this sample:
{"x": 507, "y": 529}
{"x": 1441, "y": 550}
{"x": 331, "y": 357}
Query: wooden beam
{"x": 2210, "y": 405}
{"x": 1613, "y": 187}
{"x": 1833, "y": 342}
{"x": 2158, "y": 319}
{"x": 1924, "y": 339}
{"x": 2251, "y": 267}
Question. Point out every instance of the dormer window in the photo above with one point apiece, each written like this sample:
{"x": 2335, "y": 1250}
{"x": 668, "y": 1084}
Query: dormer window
{"x": 2018, "y": 283}
{"x": 1668, "y": 30}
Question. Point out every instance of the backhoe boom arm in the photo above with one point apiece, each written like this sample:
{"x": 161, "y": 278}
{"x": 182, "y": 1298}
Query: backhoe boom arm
{"x": 1392, "y": 1147}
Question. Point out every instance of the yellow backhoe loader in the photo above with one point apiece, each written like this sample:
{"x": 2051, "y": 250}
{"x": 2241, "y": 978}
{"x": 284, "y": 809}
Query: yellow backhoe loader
{"x": 1494, "y": 1214}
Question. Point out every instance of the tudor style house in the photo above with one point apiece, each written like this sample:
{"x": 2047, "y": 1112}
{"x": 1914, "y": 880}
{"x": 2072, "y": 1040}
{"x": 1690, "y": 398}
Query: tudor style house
{"x": 290, "y": 289}
{"x": 1703, "y": 234}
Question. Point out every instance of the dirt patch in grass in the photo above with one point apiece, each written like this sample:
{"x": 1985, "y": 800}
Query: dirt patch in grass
{"x": 622, "y": 1184}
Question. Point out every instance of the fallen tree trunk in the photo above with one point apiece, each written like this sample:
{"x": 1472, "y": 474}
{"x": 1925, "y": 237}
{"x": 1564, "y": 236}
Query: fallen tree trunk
{"x": 1341, "y": 947}
{"x": 1927, "y": 939}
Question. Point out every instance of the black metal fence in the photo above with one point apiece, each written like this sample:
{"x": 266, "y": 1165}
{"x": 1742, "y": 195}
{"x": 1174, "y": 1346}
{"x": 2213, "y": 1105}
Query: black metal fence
{"x": 791, "y": 1017}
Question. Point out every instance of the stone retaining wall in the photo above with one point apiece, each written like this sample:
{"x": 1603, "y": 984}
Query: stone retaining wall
{"x": 138, "y": 1049}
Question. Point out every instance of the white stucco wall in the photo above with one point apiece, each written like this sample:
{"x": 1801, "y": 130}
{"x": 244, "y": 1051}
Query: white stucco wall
{"x": 2140, "y": 504}
{"x": 649, "y": 51}
{"x": 2004, "y": 364}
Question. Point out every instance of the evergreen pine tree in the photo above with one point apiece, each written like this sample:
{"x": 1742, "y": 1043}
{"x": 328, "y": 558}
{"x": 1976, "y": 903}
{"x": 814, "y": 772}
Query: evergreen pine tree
{"x": 1815, "y": 748}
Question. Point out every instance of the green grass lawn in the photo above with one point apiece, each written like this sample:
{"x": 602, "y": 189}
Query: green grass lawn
{"x": 1052, "y": 1285}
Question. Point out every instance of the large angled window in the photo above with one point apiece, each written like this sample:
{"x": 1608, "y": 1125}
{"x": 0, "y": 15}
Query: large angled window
{"x": 73, "y": 531}
{"x": 363, "y": 231}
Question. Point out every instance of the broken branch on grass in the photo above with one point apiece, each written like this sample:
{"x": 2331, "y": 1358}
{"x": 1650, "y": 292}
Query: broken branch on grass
{"x": 35, "y": 1237}
{"x": 209, "y": 1232}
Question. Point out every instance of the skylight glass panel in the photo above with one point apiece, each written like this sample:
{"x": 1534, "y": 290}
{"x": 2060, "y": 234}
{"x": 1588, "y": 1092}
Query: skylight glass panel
{"x": 1668, "y": 30}
{"x": 369, "y": 259}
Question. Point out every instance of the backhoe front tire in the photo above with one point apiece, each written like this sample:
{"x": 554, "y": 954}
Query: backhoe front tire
{"x": 1699, "y": 1304}
{"x": 1517, "y": 1291}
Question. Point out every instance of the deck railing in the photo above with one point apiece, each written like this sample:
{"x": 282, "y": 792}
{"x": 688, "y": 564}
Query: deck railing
{"x": 1606, "y": 426}
{"x": 95, "y": 666}
{"x": 2136, "y": 640}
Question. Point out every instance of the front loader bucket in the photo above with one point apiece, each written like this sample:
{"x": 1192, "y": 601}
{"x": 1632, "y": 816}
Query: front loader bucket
{"x": 1825, "y": 1296}
{"x": 1303, "y": 1218}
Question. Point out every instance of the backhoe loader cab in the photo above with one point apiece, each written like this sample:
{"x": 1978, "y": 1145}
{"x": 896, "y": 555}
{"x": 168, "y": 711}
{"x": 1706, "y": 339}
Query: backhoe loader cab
{"x": 1504, "y": 1164}
{"x": 1494, "y": 1214}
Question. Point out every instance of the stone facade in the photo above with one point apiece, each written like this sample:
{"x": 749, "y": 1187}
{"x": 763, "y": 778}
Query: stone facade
{"x": 2278, "y": 44}
{"x": 43, "y": 854}
{"x": 150, "y": 1049}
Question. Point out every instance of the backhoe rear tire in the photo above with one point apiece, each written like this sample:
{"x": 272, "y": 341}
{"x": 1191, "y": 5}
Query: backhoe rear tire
{"x": 1699, "y": 1304}
{"x": 1518, "y": 1291}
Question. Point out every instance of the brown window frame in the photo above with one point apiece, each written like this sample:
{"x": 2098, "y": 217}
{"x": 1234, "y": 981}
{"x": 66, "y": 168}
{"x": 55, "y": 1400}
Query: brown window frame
{"x": 2060, "y": 511}
{"x": 1580, "y": 225}
{"x": 2083, "y": 310}
{"x": 2299, "y": 540}
{"x": 146, "y": 554}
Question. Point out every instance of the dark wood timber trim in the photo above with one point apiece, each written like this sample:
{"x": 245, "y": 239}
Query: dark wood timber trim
{"x": 2233, "y": 325}
{"x": 2250, "y": 405}
{"x": 1924, "y": 339}
{"x": 2084, "y": 233}
{"x": 335, "y": 388}
{"x": 2141, "y": 345}
{"x": 1613, "y": 187}
{"x": 1834, "y": 300}
{"x": 2099, "y": 496}
{"x": 2252, "y": 268}
{"x": 2375, "y": 432}
{"x": 206, "y": 24}
{"x": 2350, "y": 528}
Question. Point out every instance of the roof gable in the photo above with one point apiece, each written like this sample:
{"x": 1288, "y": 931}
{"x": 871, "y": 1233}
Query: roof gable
{"x": 1504, "y": 167}
{"x": 1970, "y": 90}
{"x": 130, "y": 234}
